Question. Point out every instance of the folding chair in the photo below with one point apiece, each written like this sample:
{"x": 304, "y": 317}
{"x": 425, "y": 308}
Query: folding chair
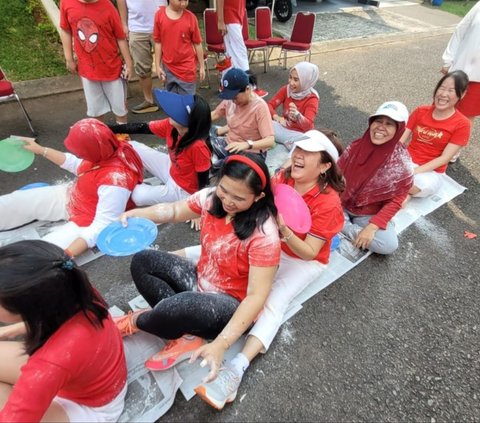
{"x": 7, "y": 93}
{"x": 301, "y": 38}
{"x": 254, "y": 45}
{"x": 263, "y": 29}
{"x": 213, "y": 38}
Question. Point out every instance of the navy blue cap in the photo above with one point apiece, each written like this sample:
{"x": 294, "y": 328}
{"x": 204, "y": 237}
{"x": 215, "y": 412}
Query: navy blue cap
{"x": 234, "y": 81}
{"x": 176, "y": 106}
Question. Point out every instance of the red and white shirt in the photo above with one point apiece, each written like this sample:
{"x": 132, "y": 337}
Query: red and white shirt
{"x": 225, "y": 260}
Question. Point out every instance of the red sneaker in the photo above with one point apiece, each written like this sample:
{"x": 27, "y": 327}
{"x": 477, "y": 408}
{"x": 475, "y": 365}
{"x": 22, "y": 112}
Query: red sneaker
{"x": 125, "y": 323}
{"x": 174, "y": 352}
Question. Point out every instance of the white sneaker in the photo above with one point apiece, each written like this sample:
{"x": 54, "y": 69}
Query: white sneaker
{"x": 221, "y": 390}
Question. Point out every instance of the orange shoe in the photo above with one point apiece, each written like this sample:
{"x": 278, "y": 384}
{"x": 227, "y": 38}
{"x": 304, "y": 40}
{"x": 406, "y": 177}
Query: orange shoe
{"x": 125, "y": 323}
{"x": 174, "y": 352}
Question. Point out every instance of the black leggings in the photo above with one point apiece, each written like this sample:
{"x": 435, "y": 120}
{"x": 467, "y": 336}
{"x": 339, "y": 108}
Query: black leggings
{"x": 168, "y": 283}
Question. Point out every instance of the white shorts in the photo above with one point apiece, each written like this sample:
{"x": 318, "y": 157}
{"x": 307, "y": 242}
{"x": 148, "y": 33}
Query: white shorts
{"x": 106, "y": 413}
{"x": 105, "y": 96}
{"x": 428, "y": 183}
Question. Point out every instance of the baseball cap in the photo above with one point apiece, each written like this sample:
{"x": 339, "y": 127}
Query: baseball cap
{"x": 317, "y": 141}
{"x": 394, "y": 110}
{"x": 176, "y": 106}
{"x": 234, "y": 81}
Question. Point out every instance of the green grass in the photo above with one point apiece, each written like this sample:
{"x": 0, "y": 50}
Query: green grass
{"x": 458, "y": 7}
{"x": 30, "y": 48}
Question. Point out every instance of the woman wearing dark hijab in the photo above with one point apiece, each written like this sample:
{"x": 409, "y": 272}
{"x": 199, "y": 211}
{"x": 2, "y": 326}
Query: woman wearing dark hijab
{"x": 379, "y": 173}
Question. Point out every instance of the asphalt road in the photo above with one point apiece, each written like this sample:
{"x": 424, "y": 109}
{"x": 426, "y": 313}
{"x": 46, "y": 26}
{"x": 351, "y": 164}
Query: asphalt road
{"x": 396, "y": 338}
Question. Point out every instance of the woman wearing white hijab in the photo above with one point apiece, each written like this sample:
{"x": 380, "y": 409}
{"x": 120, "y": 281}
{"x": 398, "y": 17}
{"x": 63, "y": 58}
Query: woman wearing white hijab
{"x": 299, "y": 101}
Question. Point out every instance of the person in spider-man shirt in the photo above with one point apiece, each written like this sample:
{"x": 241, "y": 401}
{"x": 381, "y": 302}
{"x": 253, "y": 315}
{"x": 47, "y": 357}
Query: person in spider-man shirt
{"x": 94, "y": 30}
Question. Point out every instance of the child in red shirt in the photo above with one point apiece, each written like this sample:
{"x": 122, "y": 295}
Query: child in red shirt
{"x": 94, "y": 29}
{"x": 178, "y": 47}
{"x": 71, "y": 366}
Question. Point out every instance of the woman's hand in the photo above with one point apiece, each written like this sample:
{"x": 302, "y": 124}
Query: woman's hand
{"x": 282, "y": 227}
{"x": 237, "y": 147}
{"x": 133, "y": 213}
{"x": 195, "y": 223}
{"x": 212, "y": 354}
{"x": 31, "y": 145}
{"x": 365, "y": 237}
{"x": 293, "y": 111}
{"x": 12, "y": 331}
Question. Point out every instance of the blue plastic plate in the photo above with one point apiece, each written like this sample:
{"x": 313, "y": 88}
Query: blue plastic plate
{"x": 116, "y": 240}
{"x": 34, "y": 185}
{"x": 335, "y": 243}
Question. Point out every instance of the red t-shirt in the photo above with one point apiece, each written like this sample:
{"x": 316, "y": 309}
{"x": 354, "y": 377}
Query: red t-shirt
{"x": 233, "y": 11}
{"x": 83, "y": 202}
{"x": 430, "y": 136}
{"x": 95, "y": 28}
{"x": 225, "y": 260}
{"x": 196, "y": 158}
{"x": 177, "y": 38}
{"x": 327, "y": 216}
{"x": 78, "y": 362}
{"x": 308, "y": 107}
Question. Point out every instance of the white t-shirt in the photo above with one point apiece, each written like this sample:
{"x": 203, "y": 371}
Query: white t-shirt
{"x": 141, "y": 14}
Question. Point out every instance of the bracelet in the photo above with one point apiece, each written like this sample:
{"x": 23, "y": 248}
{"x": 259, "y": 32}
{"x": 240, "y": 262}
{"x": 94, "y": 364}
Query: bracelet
{"x": 287, "y": 238}
{"x": 45, "y": 151}
{"x": 224, "y": 337}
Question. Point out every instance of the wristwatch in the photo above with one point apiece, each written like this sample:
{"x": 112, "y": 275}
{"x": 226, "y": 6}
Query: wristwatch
{"x": 250, "y": 144}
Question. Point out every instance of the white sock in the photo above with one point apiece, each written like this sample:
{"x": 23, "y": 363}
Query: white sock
{"x": 240, "y": 364}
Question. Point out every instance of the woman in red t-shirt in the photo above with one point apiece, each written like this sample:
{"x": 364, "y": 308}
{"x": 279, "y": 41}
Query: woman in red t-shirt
{"x": 221, "y": 296}
{"x": 437, "y": 133}
{"x": 71, "y": 365}
{"x": 315, "y": 176}
{"x": 185, "y": 169}
{"x": 299, "y": 101}
{"x": 107, "y": 170}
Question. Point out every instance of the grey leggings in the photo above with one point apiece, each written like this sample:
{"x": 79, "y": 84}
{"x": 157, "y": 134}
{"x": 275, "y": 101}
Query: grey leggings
{"x": 168, "y": 283}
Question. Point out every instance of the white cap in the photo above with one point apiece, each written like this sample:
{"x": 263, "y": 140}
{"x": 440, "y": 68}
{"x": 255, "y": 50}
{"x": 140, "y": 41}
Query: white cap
{"x": 394, "y": 110}
{"x": 317, "y": 141}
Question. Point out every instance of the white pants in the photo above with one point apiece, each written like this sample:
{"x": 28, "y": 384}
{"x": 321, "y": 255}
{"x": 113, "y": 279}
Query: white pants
{"x": 158, "y": 164}
{"x": 286, "y": 136}
{"x": 292, "y": 277}
{"x": 235, "y": 46}
{"x": 106, "y": 413}
{"x": 428, "y": 183}
{"x": 45, "y": 203}
{"x": 24, "y": 206}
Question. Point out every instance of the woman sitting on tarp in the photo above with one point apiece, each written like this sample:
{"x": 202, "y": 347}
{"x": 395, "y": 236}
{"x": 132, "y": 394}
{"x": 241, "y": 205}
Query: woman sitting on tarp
{"x": 379, "y": 173}
{"x": 107, "y": 171}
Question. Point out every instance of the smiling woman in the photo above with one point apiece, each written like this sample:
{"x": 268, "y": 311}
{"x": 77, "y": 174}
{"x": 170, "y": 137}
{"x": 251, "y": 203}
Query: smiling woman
{"x": 379, "y": 173}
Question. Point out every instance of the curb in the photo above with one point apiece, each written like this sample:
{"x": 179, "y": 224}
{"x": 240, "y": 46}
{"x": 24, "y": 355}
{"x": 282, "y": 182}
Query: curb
{"x": 70, "y": 83}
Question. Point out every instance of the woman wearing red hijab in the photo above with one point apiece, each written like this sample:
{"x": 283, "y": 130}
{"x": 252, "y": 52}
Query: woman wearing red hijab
{"x": 107, "y": 170}
{"x": 379, "y": 173}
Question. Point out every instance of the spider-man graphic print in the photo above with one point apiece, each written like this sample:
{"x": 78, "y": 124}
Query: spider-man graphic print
{"x": 95, "y": 28}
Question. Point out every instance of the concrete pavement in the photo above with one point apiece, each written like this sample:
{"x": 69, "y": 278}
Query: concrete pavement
{"x": 395, "y": 339}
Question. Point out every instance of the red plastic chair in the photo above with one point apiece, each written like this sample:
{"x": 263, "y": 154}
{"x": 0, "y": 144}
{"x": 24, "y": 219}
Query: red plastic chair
{"x": 301, "y": 38}
{"x": 254, "y": 45}
{"x": 263, "y": 29}
{"x": 7, "y": 93}
{"x": 213, "y": 38}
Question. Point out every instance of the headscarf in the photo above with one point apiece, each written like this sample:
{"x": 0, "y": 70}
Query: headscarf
{"x": 92, "y": 140}
{"x": 308, "y": 75}
{"x": 375, "y": 173}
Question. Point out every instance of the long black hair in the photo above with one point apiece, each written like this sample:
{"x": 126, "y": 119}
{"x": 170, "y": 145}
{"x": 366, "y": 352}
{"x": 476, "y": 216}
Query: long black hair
{"x": 41, "y": 283}
{"x": 199, "y": 123}
{"x": 245, "y": 222}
